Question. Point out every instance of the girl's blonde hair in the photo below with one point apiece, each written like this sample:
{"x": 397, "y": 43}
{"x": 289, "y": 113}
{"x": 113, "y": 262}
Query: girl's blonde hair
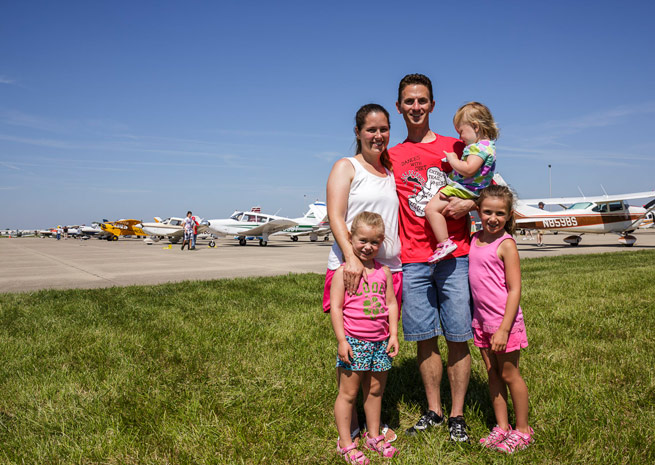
{"x": 504, "y": 193}
{"x": 371, "y": 219}
{"x": 477, "y": 113}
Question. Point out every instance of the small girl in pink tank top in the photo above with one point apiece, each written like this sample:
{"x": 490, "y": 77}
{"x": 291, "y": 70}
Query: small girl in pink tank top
{"x": 498, "y": 327}
{"x": 366, "y": 327}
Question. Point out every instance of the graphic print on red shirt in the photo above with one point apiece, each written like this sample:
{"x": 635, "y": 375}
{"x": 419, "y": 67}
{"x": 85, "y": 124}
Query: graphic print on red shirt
{"x": 419, "y": 173}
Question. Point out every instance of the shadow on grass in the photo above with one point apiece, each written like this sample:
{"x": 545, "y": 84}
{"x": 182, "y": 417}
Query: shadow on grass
{"x": 405, "y": 385}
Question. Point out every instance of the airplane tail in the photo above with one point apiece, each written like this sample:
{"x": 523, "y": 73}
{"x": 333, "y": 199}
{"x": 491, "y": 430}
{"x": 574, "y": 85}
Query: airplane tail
{"x": 498, "y": 179}
{"x": 317, "y": 213}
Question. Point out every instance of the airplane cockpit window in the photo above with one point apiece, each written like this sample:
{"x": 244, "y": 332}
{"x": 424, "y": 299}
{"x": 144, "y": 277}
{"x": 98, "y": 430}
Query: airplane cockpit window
{"x": 616, "y": 206}
{"x": 580, "y": 206}
{"x": 601, "y": 208}
{"x": 176, "y": 222}
{"x": 250, "y": 218}
{"x": 311, "y": 215}
{"x": 236, "y": 216}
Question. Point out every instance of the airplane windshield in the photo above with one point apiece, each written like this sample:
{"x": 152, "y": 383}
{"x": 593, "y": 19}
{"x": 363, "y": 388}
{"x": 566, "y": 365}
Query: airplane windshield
{"x": 580, "y": 206}
{"x": 236, "y": 216}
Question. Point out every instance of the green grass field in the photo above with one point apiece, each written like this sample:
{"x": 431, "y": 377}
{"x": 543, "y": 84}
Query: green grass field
{"x": 241, "y": 371}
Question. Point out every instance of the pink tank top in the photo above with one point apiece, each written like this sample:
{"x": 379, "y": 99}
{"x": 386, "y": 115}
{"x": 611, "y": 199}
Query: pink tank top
{"x": 365, "y": 314}
{"x": 488, "y": 286}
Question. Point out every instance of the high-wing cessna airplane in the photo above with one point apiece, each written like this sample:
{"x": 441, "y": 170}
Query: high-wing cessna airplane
{"x": 593, "y": 215}
{"x": 256, "y": 224}
{"x": 171, "y": 228}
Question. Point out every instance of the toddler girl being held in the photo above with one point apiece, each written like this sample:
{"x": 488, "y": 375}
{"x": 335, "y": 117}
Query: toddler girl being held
{"x": 476, "y": 127}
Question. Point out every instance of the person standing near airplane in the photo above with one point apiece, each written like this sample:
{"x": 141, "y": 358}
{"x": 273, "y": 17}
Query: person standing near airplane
{"x": 436, "y": 298}
{"x": 195, "y": 233}
{"x": 363, "y": 183}
{"x": 540, "y": 232}
{"x": 188, "y": 231}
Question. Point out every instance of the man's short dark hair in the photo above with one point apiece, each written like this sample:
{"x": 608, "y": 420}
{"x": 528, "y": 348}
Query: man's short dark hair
{"x": 410, "y": 79}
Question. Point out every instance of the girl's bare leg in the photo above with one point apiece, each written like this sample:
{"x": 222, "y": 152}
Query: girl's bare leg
{"x": 373, "y": 388}
{"x": 437, "y": 221}
{"x": 509, "y": 364}
{"x": 349, "y": 382}
{"x": 497, "y": 387}
{"x": 354, "y": 421}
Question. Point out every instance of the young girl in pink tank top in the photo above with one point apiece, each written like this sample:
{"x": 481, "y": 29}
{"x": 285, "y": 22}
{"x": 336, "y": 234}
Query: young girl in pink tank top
{"x": 498, "y": 327}
{"x": 366, "y": 327}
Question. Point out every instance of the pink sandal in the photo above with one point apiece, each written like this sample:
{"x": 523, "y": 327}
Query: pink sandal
{"x": 358, "y": 457}
{"x": 386, "y": 450}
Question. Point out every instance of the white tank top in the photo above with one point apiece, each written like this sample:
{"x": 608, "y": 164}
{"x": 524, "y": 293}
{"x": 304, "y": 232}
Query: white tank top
{"x": 372, "y": 193}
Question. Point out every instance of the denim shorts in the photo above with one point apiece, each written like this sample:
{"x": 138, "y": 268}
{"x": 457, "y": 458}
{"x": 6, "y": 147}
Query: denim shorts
{"x": 368, "y": 356}
{"x": 437, "y": 300}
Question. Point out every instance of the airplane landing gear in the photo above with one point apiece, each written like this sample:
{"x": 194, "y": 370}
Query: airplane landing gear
{"x": 627, "y": 240}
{"x": 242, "y": 241}
{"x": 263, "y": 243}
{"x": 212, "y": 244}
{"x": 326, "y": 238}
{"x": 294, "y": 238}
{"x": 573, "y": 241}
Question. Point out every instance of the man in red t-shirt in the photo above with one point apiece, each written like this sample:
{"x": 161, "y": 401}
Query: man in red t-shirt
{"x": 436, "y": 299}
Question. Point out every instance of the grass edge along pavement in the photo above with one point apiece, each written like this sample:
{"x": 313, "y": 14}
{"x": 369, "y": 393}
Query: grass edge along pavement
{"x": 241, "y": 371}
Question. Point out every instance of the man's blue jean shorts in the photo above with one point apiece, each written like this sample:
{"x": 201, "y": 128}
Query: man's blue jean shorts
{"x": 437, "y": 300}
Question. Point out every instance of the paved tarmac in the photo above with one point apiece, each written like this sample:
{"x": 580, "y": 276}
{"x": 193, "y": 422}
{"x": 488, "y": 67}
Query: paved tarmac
{"x": 31, "y": 263}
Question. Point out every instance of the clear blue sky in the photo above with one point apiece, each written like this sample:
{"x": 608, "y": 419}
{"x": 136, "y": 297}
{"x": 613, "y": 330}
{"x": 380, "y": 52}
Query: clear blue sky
{"x": 135, "y": 109}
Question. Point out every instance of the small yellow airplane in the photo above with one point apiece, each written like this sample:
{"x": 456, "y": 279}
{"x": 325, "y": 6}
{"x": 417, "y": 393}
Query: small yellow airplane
{"x": 112, "y": 229}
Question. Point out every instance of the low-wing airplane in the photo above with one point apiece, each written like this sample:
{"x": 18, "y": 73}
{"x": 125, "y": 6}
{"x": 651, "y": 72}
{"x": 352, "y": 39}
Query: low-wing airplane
{"x": 171, "y": 228}
{"x": 313, "y": 224}
{"x": 586, "y": 215}
{"x": 250, "y": 224}
{"x": 113, "y": 229}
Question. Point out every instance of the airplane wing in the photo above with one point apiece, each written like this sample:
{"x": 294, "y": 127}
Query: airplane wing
{"x": 130, "y": 223}
{"x": 595, "y": 199}
{"x": 318, "y": 231}
{"x": 269, "y": 228}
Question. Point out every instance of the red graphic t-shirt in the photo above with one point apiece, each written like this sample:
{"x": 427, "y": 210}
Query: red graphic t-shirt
{"x": 419, "y": 173}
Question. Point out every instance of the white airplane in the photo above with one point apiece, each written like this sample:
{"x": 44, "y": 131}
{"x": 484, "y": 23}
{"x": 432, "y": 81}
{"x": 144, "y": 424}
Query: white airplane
{"x": 313, "y": 224}
{"x": 250, "y": 224}
{"x": 586, "y": 215}
{"x": 648, "y": 222}
{"x": 171, "y": 228}
{"x": 93, "y": 230}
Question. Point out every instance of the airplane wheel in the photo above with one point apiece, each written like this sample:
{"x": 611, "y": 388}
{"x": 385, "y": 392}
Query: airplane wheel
{"x": 242, "y": 241}
{"x": 574, "y": 244}
{"x": 263, "y": 243}
{"x": 629, "y": 245}
{"x": 294, "y": 238}
{"x": 326, "y": 238}
{"x": 212, "y": 244}
{"x": 114, "y": 238}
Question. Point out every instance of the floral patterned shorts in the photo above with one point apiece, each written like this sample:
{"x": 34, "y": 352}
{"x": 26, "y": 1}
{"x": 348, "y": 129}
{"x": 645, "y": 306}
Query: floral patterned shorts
{"x": 368, "y": 356}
